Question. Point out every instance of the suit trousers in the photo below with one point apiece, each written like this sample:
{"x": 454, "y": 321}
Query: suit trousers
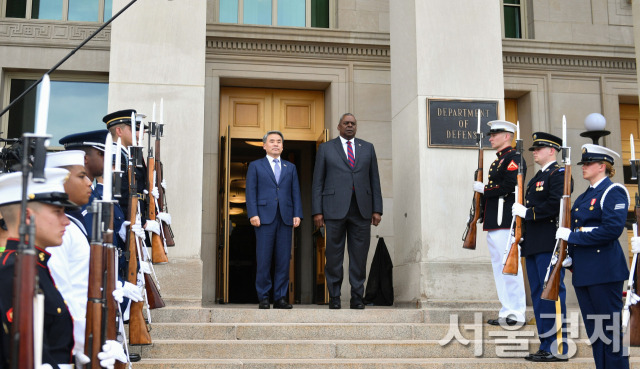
{"x": 545, "y": 310}
{"x": 273, "y": 243}
{"x": 357, "y": 231}
{"x": 510, "y": 288}
{"x": 600, "y": 306}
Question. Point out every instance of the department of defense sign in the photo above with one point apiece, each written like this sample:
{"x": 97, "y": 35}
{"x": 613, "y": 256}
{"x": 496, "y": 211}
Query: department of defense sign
{"x": 454, "y": 123}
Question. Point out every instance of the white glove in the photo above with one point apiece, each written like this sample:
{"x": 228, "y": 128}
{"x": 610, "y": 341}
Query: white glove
{"x": 478, "y": 186}
{"x": 137, "y": 229}
{"x": 568, "y": 262}
{"x": 145, "y": 192}
{"x": 165, "y": 217}
{"x": 635, "y": 245}
{"x": 123, "y": 230}
{"x": 563, "y": 233}
{"x": 81, "y": 359}
{"x": 519, "y": 210}
{"x": 152, "y": 226}
{"x": 118, "y": 294}
{"x": 129, "y": 290}
{"x": 144, "y": 267}
{"x": 633, "y": 298}
{"x": 163, "y": 183}
{"x": 111, "y": 351}
{"x": 45, "y": 366}
{"x": 155, "y": 192}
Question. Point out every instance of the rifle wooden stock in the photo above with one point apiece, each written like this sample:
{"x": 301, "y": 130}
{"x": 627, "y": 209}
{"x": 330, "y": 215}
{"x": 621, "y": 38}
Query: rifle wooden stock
{"x": 166, "y": 229}
{"x": 24, "y": 291}
{"x": 153, "y": 294}
{"x": 138, "y": 333}
{"x": 93, "y": 331}
{"x": 158, "y": 255}
{"x": 551, "y": 289}
{"x": 471, "y": 230}
{"x": 513, "y": 260}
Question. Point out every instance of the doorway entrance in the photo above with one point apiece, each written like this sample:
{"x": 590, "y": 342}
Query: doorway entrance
{"x": 245, "y": 116}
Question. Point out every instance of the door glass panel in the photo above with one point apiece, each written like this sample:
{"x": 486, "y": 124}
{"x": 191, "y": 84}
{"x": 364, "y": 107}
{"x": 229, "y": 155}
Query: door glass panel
{"x": 257, "y": 12}
{"x": 83, "y": 10}
{"x": 291, "y": 13}
{"x": 47, "y": 9}
{"x": 16, "y": 8}
{"x": 512, "y": 22}
{"x": 229, "y": 11}
{"x": 320, "y": 13}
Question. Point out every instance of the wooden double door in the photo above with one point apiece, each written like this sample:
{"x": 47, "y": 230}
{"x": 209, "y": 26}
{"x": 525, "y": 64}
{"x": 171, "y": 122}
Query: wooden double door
{"x": 245, "y": 116}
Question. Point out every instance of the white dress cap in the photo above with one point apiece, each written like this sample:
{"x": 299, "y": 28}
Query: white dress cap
{"x": 498, "y": 126}
{"x": 65, "y": 158}
{"x": 50, "y": 191}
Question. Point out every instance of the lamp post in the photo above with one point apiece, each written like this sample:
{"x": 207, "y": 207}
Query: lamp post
{"x": 595, "y": 124}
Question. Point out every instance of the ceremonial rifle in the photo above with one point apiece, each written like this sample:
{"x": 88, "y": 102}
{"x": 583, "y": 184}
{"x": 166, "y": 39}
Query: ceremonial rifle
{"x": 631, "y": 313}
{"x": 551, "y": 289}
{"x": 158, "y": 253}
{"x": 167, "y": 232}
{"x": 475, "y": 213}
{"x": 138, "y": 332}
{"x": 28, "y": 300}
{"x": 511, "y": 261}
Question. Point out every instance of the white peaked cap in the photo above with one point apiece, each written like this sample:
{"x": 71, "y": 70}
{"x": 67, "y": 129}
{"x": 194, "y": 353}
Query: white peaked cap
{"x": 498, "y": 126}
{"x": 50, "y": 191}
{"x": 65, "y": 158}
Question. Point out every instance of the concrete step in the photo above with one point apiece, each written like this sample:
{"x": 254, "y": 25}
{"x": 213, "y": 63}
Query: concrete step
{"x": 477, "y": 363}
{"x": 332, "y": 331}
{"x": 351, "y": 349}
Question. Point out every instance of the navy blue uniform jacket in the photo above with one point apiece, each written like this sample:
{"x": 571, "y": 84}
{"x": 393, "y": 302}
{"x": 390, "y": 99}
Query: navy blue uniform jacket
{"x": 596, "y": 252}
{"x": 265, "y": 196}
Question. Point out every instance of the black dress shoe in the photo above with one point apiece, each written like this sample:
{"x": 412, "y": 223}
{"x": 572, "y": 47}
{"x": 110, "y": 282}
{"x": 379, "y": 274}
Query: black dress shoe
{"x": 504, "y": 321}
{"x": 547, "y": 357}
{"x": 282, "y": 304}
{"x": 357, "y": 304}
{"x": 334, "y": 303}
{"x": 530, "y": 356}
{"x": 264, "y": 304}
{"x": 133, "y": 357}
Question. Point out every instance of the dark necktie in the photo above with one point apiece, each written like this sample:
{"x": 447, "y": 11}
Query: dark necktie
{"x": 350, "y": 156}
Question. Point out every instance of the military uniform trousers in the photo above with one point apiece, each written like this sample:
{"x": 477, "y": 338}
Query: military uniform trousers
{"x": 545, "y": 310}
{"x": 510, "y": 288}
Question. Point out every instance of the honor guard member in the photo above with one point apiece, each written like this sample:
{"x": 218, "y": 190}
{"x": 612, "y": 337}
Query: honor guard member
{"x": 47, "y": 201}
{"x": 540, "y": 214}
{"x": 119, "y": 125}
{"x": 498, "y": 198}
{"x": 599, "y": 266}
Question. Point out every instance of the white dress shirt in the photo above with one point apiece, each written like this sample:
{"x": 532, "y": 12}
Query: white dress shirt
{"x": 344, "y": 146}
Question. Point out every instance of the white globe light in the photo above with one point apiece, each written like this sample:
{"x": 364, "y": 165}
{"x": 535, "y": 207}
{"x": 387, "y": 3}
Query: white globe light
{"x": 595, "y": 122}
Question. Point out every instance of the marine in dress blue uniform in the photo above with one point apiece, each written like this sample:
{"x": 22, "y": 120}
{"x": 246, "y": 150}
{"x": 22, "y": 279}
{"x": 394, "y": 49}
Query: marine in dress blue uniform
{"x": 599, "y": 266}
{"x": 498, "y": 198}
{"x": 58, "y": 325}
{"x": 540, "y": 213}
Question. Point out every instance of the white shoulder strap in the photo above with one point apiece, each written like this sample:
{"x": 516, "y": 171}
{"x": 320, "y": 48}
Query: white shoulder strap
{"x": 609, "y": 189}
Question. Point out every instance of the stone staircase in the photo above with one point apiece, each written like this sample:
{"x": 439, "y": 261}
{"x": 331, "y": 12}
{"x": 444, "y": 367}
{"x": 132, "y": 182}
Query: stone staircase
{"x": 312, "y": 336}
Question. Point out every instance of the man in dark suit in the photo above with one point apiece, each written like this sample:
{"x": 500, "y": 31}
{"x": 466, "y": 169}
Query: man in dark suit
{"x": 347, "y": 199}
{"x": 540, "y": 214}
{"x": 274, "y": 208}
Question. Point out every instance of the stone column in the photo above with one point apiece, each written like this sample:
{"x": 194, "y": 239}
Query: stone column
{"x": 446, "y": 49}
{"x": 158, "y": 51}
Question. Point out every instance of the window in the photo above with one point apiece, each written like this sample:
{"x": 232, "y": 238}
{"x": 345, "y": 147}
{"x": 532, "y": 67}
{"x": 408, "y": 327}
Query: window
{"x": 293, "y": 13}
{"x": 74, "y": 106}
{"x": 513, "y": 11}
{"x": 65, "y": 10}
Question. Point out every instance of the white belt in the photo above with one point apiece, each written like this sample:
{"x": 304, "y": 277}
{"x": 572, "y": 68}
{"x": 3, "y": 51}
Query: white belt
{"x": 585, "y": 229}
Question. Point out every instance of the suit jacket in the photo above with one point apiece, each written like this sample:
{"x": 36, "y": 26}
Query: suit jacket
{"x": 503, "y": 179}
{"x": 264, "y": 196}
{"x": 542, "y": 199}
{"x": 334, "y": 181}
{"x": 593, "y": 243}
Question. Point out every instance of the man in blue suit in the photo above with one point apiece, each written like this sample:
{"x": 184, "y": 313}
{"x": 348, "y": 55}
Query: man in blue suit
{"x": 274, "y": 208}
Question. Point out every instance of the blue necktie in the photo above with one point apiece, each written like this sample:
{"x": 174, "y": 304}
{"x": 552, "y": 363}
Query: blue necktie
{"x": 276, "y": 169}
{"x": 350, "y": 156}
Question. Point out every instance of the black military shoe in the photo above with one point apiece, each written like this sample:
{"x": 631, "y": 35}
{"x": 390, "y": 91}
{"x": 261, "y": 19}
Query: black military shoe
{"x": 547, "y": 357}
{"x": 334, "y": 303}
{"x": 504, "y": 321}
{"x": 264, "y": 304}
{"x": 357, "y": 304}
{"x": 530, "y": 356}
{"x": 133, "y": 357}
{"x": 282, "y": 304}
